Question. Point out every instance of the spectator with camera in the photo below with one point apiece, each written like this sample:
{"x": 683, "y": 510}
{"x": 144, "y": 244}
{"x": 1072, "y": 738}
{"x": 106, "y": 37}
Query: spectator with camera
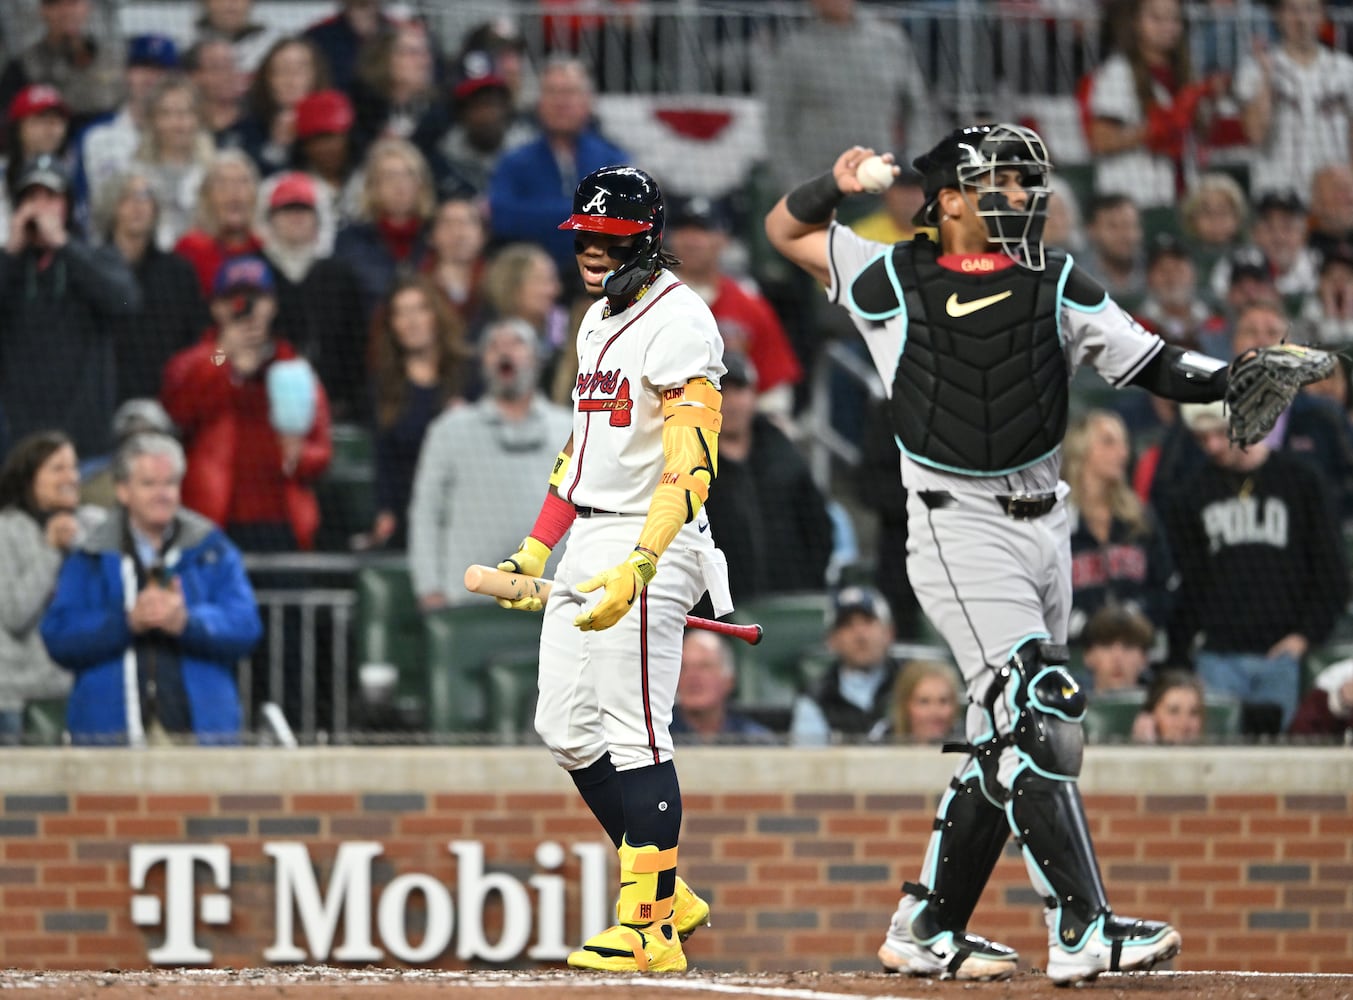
{"x": 62, "y": 300}
{"x": 155, "y": 601}
{"x": 38, "y": 125}
{"x": 254, "y": 418}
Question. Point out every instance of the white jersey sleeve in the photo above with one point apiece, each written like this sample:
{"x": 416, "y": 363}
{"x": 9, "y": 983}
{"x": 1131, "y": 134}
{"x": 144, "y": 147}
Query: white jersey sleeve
{"x": 1113, "y": 92}
{"x": 847, "y": 254}
{"x": 1102, "y": 335}
{"x": 685, "y": 344}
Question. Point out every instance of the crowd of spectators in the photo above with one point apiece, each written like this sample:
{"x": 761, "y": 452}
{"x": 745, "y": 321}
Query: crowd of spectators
{"x": 271, "y": 233}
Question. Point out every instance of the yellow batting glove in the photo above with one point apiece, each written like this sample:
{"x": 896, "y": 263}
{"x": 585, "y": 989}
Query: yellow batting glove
{"x": 528, "y": 560}
{"x": 623, "y": 584}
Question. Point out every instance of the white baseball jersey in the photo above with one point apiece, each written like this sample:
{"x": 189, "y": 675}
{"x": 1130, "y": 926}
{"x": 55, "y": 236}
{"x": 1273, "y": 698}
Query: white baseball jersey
{"x": 625, "y": 361}
{"x": 1312, "y": 105}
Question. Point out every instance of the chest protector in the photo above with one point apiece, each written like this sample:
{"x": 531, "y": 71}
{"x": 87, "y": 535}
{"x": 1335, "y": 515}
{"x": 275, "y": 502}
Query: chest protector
{"x": 981, "y": 381}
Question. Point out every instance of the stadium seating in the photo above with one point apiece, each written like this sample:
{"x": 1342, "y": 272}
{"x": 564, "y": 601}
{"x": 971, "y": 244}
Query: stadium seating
{"x": 45, "y": 722}
{"x": 772, "y": 672}
{"x": 390, "y": 627}
{"x": 462, "y": 643}
{"x": 1109, "y": 718}
{"x": 347, "y": 490}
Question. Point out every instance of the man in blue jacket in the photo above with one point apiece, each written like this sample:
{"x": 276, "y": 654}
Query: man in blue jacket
{"x": 532, "y": 187}
{"x": 156, "y": 602}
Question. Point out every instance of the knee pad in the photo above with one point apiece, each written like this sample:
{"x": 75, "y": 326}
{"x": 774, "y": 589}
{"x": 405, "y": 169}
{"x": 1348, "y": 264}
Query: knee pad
{"x": 1034, "y": 708}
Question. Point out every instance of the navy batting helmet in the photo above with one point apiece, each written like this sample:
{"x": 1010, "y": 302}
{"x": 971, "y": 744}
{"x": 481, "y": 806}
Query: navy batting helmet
{"x": 971, "y": 158}
{"x": 622, "y": 201}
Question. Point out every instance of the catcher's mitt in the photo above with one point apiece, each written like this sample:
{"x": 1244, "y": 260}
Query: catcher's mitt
{"x": 1264, "y": 380}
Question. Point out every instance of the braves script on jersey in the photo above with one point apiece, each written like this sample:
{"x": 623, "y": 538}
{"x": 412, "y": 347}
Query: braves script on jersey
{"x": 625, "y": 361}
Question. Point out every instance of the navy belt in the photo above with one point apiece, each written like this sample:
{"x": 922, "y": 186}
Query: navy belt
{"x": 1019, "y": 506}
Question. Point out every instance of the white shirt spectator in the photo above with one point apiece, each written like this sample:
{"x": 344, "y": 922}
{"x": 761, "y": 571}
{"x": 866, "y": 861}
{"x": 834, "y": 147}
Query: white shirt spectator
{"x": 1146, "y": 177}
{"x": 1312, "y": 105}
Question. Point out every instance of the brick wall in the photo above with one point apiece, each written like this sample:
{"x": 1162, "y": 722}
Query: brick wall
{"x": 1255, "y": 875}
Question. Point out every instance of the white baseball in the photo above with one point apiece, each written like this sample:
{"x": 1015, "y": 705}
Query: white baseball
{"x": 875, "y": 174}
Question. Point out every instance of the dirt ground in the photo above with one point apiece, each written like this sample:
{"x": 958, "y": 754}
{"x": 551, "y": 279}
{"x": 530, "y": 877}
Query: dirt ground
{"x": 313, "y": 983}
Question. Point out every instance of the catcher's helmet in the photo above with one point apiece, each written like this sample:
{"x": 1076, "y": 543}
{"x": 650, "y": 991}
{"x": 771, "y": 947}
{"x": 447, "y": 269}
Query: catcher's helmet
{"x": 969, "y": 158}
{"x": 622, "y": 201}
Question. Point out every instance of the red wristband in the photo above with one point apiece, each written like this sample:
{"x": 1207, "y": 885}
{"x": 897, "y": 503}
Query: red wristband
{"x": 555, "y": 517}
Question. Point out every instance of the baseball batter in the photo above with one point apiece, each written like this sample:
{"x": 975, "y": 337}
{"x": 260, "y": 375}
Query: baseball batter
{"x": 976, "y": 339}
{"x": 631, "y": 483}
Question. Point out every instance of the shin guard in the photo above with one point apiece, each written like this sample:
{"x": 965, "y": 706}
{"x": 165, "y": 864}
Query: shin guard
{"x": 1049, "y": 819}
{"x": 969, "y": 835}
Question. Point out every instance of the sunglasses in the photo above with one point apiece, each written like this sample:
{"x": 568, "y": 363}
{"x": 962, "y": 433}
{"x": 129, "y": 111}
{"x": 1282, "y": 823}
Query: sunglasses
{"x": 619, "y": 252}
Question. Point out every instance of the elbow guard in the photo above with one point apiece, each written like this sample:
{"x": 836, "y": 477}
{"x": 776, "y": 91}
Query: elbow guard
{"x": 690, "y": 440}
{"x": 1184, "y": 376}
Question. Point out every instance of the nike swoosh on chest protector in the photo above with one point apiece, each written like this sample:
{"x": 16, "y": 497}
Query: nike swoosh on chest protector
{"x": 958, "y": 309}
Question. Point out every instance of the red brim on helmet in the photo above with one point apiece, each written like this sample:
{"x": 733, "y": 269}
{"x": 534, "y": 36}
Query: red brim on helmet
{"x": 605, "y": 224}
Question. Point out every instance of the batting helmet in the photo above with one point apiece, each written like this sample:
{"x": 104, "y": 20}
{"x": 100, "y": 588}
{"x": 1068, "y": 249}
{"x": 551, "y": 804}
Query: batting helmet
{"x": 971, "y": 158}
{"x": 622, "y": 201}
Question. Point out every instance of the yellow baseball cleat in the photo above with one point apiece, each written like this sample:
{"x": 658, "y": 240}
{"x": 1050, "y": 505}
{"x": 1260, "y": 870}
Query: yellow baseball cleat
{"x": 655, "y": 948}
{"x": 690, "y": 913}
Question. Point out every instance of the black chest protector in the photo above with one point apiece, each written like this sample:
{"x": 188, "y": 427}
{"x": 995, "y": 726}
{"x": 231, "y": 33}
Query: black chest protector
{"x": 981, "y": 382}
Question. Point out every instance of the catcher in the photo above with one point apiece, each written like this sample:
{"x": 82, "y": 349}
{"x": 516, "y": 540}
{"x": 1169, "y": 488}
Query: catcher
{"x": 975, "y": 335}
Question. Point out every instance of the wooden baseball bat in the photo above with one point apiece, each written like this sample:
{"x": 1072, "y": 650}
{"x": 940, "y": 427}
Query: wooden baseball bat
{"x": 494, "y": 582}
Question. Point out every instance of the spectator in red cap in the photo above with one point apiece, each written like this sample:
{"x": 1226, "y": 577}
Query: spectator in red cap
{"x": 225, "y": 217}
{"x": 172, "y": 314}
{"x": 486, "y": 124}
{"x": 293, "y": 69}
{"x": 87, "y": 70}
{"x": 38, "y": 122}
{"x": 325, "y": 148}
{"x": 211, "y": 65}
{"x": 249, "y": 465}
{"x": 318, "y": 303}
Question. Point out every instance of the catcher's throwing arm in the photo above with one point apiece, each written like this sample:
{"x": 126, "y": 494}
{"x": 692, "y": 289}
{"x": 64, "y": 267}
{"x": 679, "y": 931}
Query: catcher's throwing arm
{"x": 492, "y": 582}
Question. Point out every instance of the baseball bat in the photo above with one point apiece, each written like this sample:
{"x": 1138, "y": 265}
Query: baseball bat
{"x": 493, "y": 582}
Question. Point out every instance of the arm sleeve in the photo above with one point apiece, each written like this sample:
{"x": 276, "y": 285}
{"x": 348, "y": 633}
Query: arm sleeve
{"x": 847, "y": 254}
{"x": 86, "y": 623}
{"x": 1097, "y": 332}
{"x": 26, "y": 584}
{"x": 1247, "y": 80}
{"x": 1113, "y": 94}
{"x": 103, "y": 278}
{"x": 1184, "y": 376}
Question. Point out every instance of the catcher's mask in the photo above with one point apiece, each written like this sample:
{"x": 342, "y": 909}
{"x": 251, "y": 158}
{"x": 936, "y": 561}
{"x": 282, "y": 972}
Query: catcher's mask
{"x": 621, "y": 201}
{"x": 970, "y": 160}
